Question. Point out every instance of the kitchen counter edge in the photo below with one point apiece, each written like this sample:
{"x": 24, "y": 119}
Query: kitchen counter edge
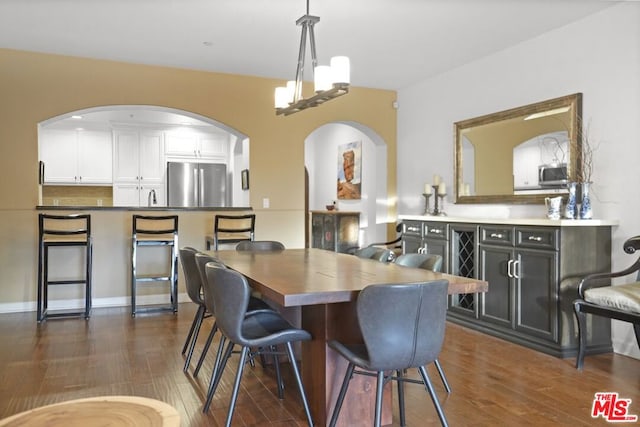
{"x": 515, "y": 221}
{"x": 134, "y": 209}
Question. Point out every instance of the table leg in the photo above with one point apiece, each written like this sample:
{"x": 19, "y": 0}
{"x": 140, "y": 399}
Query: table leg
{"x": 323, "y": 369}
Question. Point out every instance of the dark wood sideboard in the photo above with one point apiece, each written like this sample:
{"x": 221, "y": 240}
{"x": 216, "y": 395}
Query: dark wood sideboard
{"x": 336, "y": 231}
{"x": 533, "y": 268}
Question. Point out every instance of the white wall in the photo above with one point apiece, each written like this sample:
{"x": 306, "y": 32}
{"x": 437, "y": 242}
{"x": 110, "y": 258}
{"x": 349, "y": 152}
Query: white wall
{"x": 321, "y": 160}
{"x": 598, "y": 56}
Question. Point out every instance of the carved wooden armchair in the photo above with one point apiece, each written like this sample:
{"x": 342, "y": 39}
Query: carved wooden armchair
{"x": 615, "y": 302}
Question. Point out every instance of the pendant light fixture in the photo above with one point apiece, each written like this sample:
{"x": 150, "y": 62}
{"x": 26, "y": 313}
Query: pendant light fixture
{"x": 330, "y": 81}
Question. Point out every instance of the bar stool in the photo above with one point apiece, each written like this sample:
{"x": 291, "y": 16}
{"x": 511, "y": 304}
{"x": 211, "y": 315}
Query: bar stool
{"x": 231, "y": 229}
{"x": 63, "y": 231}
{"x": 157, "y": 231}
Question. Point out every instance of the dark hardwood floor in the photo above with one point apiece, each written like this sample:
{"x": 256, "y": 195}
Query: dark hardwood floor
{"x": 494, "y": 383}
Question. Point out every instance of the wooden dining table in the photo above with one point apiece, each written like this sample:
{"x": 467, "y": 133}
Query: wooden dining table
{"x": 325, "y": 285}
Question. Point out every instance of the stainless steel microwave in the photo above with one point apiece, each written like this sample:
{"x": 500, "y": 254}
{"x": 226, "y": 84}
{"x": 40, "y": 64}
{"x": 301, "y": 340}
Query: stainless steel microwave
{"x": 553, "y": 174}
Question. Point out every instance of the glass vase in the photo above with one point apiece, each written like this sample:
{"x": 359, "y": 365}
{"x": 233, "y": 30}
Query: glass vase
{"x": 585, "y": 207}
{"x": 570, "y": 209}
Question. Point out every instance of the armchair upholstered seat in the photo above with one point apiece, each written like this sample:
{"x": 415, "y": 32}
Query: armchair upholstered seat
{"x": 597, "y": 296}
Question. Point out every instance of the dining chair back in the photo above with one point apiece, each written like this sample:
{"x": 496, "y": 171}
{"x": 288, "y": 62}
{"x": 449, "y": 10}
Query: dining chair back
{"x": 408, "y": 333}
{"x": 260, "y": 245}
{"x": 431, "y": 262}
{"x": 376, "y": 253}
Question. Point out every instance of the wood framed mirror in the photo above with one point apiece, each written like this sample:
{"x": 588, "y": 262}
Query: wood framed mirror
{"x": 509, "y": 156}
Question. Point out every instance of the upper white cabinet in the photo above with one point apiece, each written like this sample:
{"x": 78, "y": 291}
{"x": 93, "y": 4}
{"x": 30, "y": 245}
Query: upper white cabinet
{"x": 195, "y": 145}
{"x": 138, "y": 157}
{"x": 76, "y": 156}
{"x": 138, "y": 167}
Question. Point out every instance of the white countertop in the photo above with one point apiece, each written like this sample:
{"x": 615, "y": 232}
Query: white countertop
{"x": 515, "y": 221}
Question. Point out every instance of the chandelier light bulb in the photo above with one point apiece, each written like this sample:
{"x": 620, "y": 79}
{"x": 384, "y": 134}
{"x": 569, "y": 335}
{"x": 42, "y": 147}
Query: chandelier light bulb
{"x": 340, "y": 70}
{"x": 281, "y": 97}
{"x": 322, "y": 78}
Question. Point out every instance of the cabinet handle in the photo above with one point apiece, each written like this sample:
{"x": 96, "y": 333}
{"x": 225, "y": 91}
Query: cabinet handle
{"x": 535, "y": 238}
{"x": 496, "y": 235}
{"x": 509, "y": 267}
{"x": 435, "y": 231}
{"x": 516, "y": 269}
{"x": 141, "y": 178}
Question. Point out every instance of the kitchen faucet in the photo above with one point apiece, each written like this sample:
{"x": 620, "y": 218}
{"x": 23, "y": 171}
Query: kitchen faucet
{"x": 151, "y": 198}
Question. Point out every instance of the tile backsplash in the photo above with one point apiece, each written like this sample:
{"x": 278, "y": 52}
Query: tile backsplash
{"x": 77, "y": 195}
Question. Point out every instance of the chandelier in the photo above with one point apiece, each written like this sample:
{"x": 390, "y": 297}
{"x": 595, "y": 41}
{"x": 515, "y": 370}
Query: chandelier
{"x": 330, "y": 81}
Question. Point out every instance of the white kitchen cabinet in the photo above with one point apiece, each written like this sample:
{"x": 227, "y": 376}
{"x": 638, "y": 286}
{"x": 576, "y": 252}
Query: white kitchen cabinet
{"x": 81, "y": 157}
{"x": 197, "y": 146}
{"x": 138, "y": 167}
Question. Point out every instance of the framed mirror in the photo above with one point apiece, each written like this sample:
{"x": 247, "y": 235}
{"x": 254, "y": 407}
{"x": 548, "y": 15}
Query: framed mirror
{"x": 521, "y": 155}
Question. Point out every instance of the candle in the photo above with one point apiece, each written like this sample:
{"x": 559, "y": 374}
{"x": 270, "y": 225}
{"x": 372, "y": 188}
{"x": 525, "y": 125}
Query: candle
{"x": 436, "y": 179}
{"x": 427, "y": 189}
{"x": 442, "y": 188}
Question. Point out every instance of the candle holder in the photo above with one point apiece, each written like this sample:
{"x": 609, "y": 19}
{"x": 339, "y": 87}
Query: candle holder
{"x": 437, "y": 210}
{"x": 427, "y": 196}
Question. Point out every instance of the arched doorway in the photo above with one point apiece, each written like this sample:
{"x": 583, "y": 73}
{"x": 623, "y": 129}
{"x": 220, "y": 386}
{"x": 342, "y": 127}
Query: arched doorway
{"x": 322, "y": 164}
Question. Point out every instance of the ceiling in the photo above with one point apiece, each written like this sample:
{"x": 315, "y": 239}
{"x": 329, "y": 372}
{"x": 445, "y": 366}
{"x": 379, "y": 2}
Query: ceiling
{"x": 391, "y": 43}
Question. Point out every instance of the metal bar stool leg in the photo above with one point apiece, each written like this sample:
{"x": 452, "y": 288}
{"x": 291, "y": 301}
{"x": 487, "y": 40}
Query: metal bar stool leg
{"x": 88, "y": 278}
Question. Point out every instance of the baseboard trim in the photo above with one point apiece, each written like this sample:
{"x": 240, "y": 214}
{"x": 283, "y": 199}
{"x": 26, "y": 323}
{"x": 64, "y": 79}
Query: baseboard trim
{"x": 75, "y": 304}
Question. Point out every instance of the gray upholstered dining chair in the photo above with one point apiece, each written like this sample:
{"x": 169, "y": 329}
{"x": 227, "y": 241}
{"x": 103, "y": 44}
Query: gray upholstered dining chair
{"x": 407, "y": 333}
{"x": 260, "y": 245}
{"x": 254, "y": 304}
{"x": 230, "y": 293}
{"x": 375, "y": 253}
{"x": 431, "y": 262}
{"x": 193, "y": 284}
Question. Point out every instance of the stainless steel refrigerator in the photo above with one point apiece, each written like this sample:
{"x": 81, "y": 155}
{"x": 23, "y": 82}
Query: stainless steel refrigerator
{"x": 196, "y": 184}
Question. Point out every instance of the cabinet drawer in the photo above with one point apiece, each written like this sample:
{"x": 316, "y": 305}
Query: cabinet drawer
{"x": 496, "y": 235}
{"x": 412, "y": 228}
{"x": 541, "y": 238}
{"x": 435, "y": 230}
